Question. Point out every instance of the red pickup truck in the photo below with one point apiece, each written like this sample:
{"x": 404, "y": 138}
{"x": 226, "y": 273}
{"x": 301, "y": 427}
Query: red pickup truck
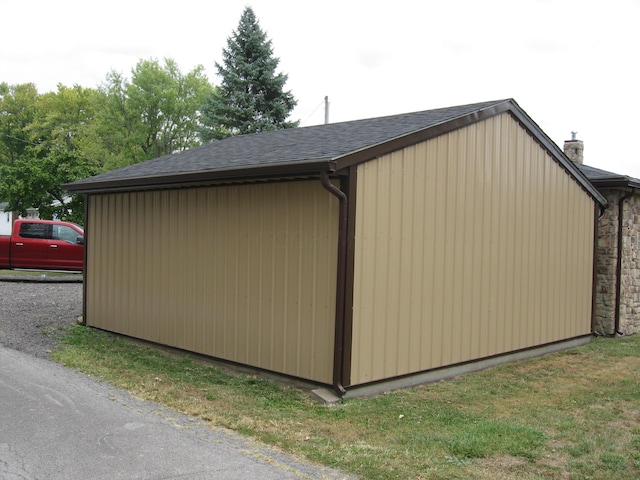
{"x": 43, "y": 245}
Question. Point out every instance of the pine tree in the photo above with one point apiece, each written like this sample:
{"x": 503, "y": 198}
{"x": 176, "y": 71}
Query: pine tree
{"x": 250, "y": 97}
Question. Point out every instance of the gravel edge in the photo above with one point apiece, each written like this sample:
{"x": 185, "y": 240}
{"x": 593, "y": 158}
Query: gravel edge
{"x": 35, "y": 310}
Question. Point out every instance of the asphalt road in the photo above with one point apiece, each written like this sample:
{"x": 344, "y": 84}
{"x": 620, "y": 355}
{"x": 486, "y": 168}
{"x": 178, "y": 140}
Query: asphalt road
{"x": 56, "y": 423}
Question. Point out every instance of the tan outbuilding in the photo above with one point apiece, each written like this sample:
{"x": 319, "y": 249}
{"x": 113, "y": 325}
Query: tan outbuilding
{"x": 364, "y": 255}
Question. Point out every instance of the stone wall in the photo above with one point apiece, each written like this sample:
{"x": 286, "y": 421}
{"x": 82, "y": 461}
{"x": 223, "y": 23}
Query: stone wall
{"x": 607, "y": 251}
{"x": 630, "y": 294}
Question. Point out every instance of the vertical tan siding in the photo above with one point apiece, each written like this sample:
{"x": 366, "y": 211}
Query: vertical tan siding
{"x": 243, "y": 273}
{"x": 471, "y": 244}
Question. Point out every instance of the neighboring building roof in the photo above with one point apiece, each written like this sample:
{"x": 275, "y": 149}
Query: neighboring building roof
{"x": 603, "y": 179}
{"x": 310, "y": 150}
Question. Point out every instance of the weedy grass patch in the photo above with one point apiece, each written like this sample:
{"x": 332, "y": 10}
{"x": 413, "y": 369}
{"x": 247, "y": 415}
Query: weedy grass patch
{"x": 36, "y": 273}
{"x": 569, "y": 415}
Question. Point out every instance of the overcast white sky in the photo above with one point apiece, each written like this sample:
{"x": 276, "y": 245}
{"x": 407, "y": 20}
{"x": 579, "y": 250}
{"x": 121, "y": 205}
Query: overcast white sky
{"x": 572, "y": 65}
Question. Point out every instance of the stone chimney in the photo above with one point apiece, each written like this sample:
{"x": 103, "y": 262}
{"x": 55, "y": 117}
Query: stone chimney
{"x": 573, "y": 148}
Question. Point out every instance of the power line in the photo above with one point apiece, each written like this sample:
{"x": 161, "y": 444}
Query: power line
{"x": 314, "y": 111}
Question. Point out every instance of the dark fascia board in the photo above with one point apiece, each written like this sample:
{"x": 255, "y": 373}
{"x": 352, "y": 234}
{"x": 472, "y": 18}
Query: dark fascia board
{"x": 536, "y": 132}
{"x": 509, "y": 106}
{"x": 253, "y": 173}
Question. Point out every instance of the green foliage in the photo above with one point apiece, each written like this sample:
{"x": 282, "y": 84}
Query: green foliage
{"x": 48, "y": 140}
{"x": 17, "y": 113}
{"x": 42, "y": 148}
{"x": 156, "y": 113}
{"x": 251, "y": 97}
{"x": 63, "y": 119}
{"x": 36, "y": 181}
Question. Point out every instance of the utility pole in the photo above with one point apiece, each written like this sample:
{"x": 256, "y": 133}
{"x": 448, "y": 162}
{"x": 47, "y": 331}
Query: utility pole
{"x": 326, "y": 110}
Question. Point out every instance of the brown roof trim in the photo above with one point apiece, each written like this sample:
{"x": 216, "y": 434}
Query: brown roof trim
{"x": 240, "y": 175}
{"x": 536, "y": 132}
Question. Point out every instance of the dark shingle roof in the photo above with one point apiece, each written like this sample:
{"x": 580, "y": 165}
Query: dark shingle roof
{"x": 602, "y": 178}
{"x": 297, "y": 146}
{"x": 308, "y": 151}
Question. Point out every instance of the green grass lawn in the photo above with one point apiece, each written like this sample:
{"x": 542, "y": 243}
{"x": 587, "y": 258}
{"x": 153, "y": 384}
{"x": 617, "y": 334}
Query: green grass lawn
{"x": 569, "y": 415}
{"x": 34, "y": 273}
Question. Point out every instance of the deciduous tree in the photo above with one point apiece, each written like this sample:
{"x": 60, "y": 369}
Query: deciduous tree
{"x": 44, "y": 149}
{"x": 47, "y": 140}
{"x": 155, "y": 113}
{"x": 17, "y": 113}
{"x": 36, "y": 182}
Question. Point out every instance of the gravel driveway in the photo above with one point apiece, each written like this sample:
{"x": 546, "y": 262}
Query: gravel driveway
{"x": 32, "y": 312}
